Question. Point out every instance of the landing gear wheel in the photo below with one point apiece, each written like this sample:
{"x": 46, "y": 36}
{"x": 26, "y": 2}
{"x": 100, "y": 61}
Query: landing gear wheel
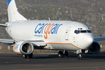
{"x": 80, "y": 57}
{"x": 28, "y": 56}
{"x": 66, "y": 54}
{"x": 24, "y": 56}
{"x": 60, "y": 54}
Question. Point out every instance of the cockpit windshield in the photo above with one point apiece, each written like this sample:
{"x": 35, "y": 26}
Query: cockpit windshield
{"x": 82, "y": 31}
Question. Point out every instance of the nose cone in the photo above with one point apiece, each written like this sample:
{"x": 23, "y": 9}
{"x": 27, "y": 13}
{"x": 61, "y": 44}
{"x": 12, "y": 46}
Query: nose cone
{"x": 88, "y": 40}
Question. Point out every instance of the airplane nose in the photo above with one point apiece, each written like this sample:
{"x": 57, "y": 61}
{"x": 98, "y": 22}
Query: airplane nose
{"x": 88, "y": 40}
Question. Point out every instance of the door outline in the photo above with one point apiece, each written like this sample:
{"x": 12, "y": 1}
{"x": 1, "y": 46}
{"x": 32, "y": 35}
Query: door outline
{"x": 67, "y": 33}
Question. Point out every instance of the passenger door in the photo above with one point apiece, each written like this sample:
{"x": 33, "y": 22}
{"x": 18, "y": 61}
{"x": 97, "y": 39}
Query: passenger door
{"x": 67, "y": 32}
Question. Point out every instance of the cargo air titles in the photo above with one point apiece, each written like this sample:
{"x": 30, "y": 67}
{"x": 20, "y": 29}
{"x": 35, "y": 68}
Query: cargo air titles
{"x": 47, "y": 29}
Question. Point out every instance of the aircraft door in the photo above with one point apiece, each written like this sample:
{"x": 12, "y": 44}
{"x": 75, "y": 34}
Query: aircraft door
{"x": 67, "y": 34}
{"x": 78, "y": 39}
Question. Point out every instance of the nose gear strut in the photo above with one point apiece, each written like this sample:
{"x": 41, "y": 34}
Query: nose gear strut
{"x": 80, "y": 54}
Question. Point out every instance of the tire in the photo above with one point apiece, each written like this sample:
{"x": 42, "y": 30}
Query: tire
{"x": 60, "y": 54}
{"x": 28, "y": 56}
{"x": 80, "y": 57}
{"x": 66, "y": 54}
{"x": 24, "y": 56}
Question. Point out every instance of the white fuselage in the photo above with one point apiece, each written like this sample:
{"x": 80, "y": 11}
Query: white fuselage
{"x": 56, "y": 34}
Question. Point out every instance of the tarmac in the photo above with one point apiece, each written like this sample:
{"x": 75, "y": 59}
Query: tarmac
{"x": 51, "y": 62}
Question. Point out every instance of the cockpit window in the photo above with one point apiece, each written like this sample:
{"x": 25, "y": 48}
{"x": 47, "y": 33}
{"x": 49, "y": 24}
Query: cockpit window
{"x": 82, "y": 31}
{"x": 77, "y": 31}
{"x": 89, "y": 31}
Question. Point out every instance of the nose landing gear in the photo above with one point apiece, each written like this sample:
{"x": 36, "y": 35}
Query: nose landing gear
{"x": 80, "y": 54}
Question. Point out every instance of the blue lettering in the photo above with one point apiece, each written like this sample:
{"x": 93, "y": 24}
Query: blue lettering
{"x": 40, "y": 28}
{"x": 36, "y": 30}
{"x": 40, "y": 31}
{"x": 55, "y": 28}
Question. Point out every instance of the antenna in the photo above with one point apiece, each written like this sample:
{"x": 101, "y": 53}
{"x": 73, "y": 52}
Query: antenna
{"x": 49, "y": 18}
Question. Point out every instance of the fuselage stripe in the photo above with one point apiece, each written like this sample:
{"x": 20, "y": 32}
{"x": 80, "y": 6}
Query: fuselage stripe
{"x": 65, "y": 44}
{"x": 17, "y": 52}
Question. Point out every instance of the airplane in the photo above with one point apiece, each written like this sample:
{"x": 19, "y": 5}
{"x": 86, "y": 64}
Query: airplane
{"x": 65, "y": 36}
